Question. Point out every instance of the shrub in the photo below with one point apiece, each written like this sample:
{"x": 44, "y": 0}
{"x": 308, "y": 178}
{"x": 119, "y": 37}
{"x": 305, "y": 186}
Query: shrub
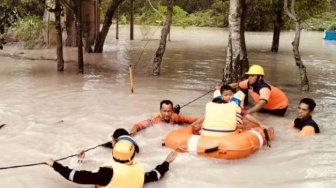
{"x": 321, "y": 22}
{"x": 30, "y": 31}
{"x": 332, "y": 26}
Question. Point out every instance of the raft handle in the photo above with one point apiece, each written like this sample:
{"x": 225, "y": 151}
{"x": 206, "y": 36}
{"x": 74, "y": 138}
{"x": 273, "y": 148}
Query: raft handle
{"x": 211, "y": 150}
{"x": 268, "y": 141}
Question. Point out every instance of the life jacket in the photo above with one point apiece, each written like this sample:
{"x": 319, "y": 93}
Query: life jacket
{"x": 220, "y": 119}
{"x": 125, "y": 176}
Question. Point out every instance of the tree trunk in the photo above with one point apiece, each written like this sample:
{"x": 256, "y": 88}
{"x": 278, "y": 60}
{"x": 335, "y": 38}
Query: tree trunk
{"x": 296, "y": 44}
{"x": 117, "y": 26}
{"x": 99, "y": 43}
{"x": 59, "y": 39}
{"x": 89, "y": 24}
{"x": 227, "y": 76}
{"x": 79, "y": 36}
{"x": 276, "y": 31}
{"x": 233, "y": 64}
{"x": 237, "y": 61}
{"x": 247, "y": 7}
{"x": 164, "y": 33}
{"x": 297, "y": 57}
{"x": 70, "y": 25}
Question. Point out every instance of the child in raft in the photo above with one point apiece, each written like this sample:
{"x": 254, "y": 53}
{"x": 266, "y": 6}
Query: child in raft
{"x": 224, "y": 118}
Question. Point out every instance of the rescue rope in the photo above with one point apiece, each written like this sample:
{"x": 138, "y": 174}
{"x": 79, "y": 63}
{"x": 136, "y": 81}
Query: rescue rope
{"x": 145, "y": 46}
{"x": 2, "y": 125}
{"x": 43, "y": 163}
{"x": 197, "y": 98}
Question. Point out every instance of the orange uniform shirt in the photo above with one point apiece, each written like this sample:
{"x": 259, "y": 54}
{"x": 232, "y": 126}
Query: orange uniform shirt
{"x": 274, "y": 97}
{"x": 175, "y": 119}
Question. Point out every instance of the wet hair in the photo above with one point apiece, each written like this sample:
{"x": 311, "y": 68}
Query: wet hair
{"x": 166, "y": 102}
{"x": 122, "y": 132}
{"x": 119, "y": 132}
{"x": 217, "y": 100}
{"x": 310, "y": 102}
{"x": 225, "y": 88}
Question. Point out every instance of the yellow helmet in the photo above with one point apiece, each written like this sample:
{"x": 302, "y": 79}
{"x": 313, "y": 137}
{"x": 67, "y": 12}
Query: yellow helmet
{"x": 124, "y": 152}
{"x": 255, "y": 69}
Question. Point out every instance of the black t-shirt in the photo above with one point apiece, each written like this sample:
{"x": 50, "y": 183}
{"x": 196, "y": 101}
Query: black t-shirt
{"x": 299, "y": 124}
{"x": 256, "y": 87}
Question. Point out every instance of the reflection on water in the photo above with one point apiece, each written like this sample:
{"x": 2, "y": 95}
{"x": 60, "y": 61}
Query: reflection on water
{"x": 35, "y": 98}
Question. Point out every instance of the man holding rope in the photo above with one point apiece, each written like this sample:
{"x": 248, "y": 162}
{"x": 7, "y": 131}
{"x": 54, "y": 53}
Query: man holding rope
{"x": 119, "y": 172}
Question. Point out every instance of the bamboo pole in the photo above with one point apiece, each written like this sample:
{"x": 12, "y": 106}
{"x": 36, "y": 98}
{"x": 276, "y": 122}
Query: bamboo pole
{"x": 131, "y": 78}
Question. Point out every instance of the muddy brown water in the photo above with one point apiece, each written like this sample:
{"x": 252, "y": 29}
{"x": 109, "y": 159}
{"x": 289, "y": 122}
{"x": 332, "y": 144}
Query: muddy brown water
{"x": 51, "y": 115}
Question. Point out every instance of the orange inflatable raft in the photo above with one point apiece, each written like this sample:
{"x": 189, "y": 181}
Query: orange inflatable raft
{"x": 229, "y": 147}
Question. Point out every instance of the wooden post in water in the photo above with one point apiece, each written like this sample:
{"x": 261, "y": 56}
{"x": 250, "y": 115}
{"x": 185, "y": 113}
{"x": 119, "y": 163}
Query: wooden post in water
{"x": 131, "y": 78}
{"x": 117, "y": 25}
{"x": 80, "y": 36}
{"x": 132, "y": 21}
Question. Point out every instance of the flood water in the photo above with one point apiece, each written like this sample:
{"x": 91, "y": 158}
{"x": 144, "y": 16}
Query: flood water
{"x": 51, "y": 115}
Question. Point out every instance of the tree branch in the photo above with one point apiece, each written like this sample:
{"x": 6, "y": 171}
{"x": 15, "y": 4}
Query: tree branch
{"x": 47, "y": 7}
{"x": 68, "y": 6}
{"x": 287, "y": 10}
{"x": 293, "y": 9}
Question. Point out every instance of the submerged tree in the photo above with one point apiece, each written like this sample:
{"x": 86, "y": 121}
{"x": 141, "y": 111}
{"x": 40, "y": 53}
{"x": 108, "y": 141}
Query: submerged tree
{"x": 236, "y": 59}
{"x": 77, "y": 11}
{"x": 315, "y": 7}
{"x": 277, "y": 24}
{"x": 99, "y": 43}
{"x": 59, "y": 39}
{"x": 296, "y": 43}
{"x": 164, "y": 33}
{"x": 233, "y": 58}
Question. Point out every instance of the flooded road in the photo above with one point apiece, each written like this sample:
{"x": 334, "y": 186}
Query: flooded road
{"x": 51, "y": 115}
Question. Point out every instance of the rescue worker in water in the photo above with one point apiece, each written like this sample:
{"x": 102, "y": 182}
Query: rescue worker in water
{"x": 117, "y": 172}
{"x": 267, "y": 98}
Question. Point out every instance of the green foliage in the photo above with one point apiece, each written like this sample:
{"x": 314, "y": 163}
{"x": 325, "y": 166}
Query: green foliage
{"x": 104, "y": 5}
{"x": 214, "y": 13}
{"x": 200, "y": 18}
{"x": 123, "y": 19}
{"x": 309, "y": 8}
{"x": 8, "y": 17}
{"x": 264, "y": 14}
{"x": 220, "y": 13}
{"x": 332, "y": 26}
{"x": 192, "y": 6}
{"x": 311, "y": 13}
{"x": 215, "y": 17}
{"x": 179, "y": 16}
{"x": 321, "y": 22}
{"x": 30, "y": 31}
{"x": 26, "y": 7}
